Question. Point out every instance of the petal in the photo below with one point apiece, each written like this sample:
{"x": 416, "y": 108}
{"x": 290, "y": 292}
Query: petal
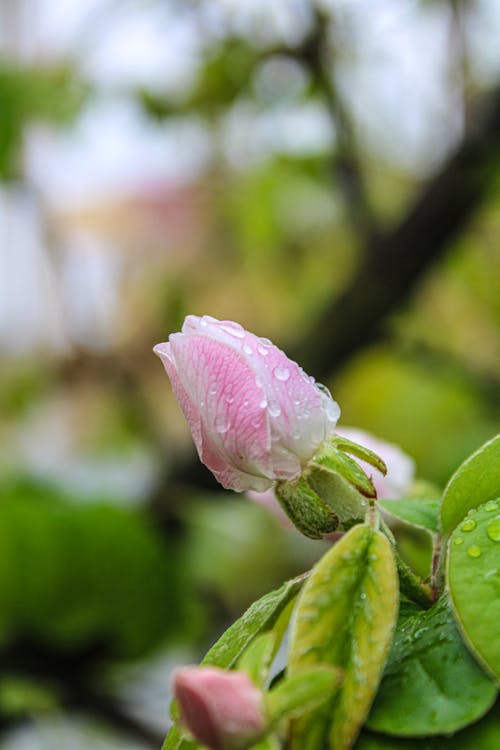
{"x": 234, "y": 429}
{"x": 188, "y": 406}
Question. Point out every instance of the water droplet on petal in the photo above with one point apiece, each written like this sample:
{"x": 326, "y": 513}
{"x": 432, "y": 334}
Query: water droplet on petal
{"x": 474, "y": 551}
{"x": 247, "y": 349}
{"x": 471, "y": 511}
{"x": 238, "y": 333}
{"x": 323, "y": 389}
{"x": 221, "y": 424}
{"x": 263, "y": 403}
{"x": 458, "y": 540}
{"x": 491, "y": 505}
{"x": 274, "y": 409}
{"x": 332, "y": 411}
{"x": 212, "y": 390}
{"x": 258, "y": 382}
{"x": 265, "y": 341}
{"x": 468, "y": 525}
{"x": 493, "y": 530}
{"x": 281, "y": 373}
{"x": 262, "y": 350}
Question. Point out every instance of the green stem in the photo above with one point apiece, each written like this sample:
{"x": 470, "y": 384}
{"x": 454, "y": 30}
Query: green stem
{"x": 411, "y": 585}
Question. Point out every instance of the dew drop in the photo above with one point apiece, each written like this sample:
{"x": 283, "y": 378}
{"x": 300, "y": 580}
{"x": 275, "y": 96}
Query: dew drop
{"x": 471, "y": 511}
{"x": 362, "y": 595}
{"x": 491, "y": 505}
{"x": 274, "y": 409}
{"x": 265, "y": 341}
{"x": 262, "y": 350}
{"x": 493, "y": 530}
{"x": 296, "y": 434}
{"x": 229, "y": 399}
{"x": 281, "y": 373}
{"x": 474, "y": 551}
{"x": 247, "y": 349}
{"x": 238, "y": 333}
{"x": 302, "y": 413}
{"x": 332, "y": 411}
{"x": 458, "y": 540}
{"x": 258, "y": 382}
{"x": 221, "y": 424}
{"x": 323, "y": 389}
{"x": 263, "y": 403}
{"x": 468, "y": 525}
{"x": 212, "y": 390}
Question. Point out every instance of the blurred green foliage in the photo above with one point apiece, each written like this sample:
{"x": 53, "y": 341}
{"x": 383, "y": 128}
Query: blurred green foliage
{"x": 30, "y": 94}
{"x": 76, "y": 573}
{"x": 267, "y": 240}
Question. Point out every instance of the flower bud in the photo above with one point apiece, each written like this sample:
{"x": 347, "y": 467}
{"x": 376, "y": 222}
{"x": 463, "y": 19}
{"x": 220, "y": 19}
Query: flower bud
{"x": 255, "y": 416}
{"x": 222, "y": 710}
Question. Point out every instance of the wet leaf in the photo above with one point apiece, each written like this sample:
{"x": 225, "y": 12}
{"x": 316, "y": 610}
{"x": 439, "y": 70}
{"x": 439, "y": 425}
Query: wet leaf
{"x": 345, "y": 617}
{"x": 259, "y": 617}
{"x": 473, "y": 574}
{"x": 476, "y": 481}
{"x": 483, "y": 735}
{"x": 431, "y": 683}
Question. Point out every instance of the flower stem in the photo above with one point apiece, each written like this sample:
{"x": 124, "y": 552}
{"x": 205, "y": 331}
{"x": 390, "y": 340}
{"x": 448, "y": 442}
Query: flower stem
{"x": 411, "y": 585}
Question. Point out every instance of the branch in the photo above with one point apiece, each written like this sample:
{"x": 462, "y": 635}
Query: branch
{"x": 393, "y": 263}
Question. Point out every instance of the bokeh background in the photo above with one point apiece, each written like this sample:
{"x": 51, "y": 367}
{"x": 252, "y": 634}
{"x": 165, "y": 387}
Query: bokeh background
{"x": 326, "y": 173}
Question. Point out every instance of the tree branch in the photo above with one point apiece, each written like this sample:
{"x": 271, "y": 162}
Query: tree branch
{"x": 394, "y": 262}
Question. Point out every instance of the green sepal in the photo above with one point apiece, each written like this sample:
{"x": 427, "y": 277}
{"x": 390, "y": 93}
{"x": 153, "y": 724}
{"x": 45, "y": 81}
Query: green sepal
{"x": 339, "y": 463}
{"x": 364, "y": 454}
{"x": 302, "y": 692}
{"x": 306, "y": 510}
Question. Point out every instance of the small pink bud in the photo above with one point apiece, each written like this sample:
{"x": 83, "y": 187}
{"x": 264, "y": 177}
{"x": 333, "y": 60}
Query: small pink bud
{"x": 222, "y": 710}
{"x": 255, "y": 416}
{"x": 400, "y": 467}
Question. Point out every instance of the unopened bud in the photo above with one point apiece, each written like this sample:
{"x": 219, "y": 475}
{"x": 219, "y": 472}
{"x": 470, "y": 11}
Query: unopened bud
{"x": 223, "y": 710}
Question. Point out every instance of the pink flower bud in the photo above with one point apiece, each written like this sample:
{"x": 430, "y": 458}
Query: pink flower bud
{"x": 222, "y": 710}
{"x": 400, "y": 467}
{"x": 255, "y": 416}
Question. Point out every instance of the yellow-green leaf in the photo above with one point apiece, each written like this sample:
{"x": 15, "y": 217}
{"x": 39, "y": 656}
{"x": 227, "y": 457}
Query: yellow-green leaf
{"x": 345, "y": 617}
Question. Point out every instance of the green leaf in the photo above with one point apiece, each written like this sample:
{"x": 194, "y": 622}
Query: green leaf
{"x": 473, "y": 574}
{"x": 417, "y": 511}
{"x": 259, "y": 617}
{"x": 431, "y": 684}
{"x": 475, "y": 482}
{"x": 176, "y": 741}
{"x": 257, "y": 658}
{"x": 302, "y": 692}
{"x": 483, "y": 735}
{"x": 345, "y": 617}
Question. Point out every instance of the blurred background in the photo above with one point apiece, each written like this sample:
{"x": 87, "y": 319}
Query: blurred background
{"x": 325, "y": 173}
